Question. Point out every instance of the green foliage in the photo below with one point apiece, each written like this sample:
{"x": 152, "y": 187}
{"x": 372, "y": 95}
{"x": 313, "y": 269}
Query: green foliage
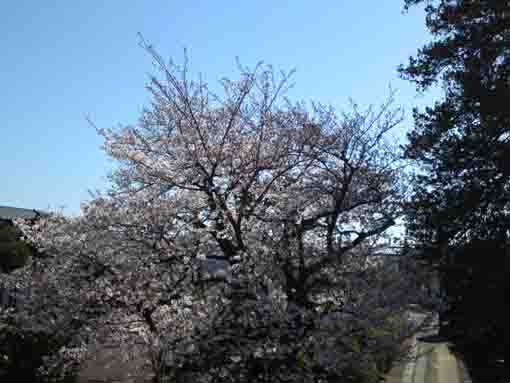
{"x": 477, "y": 297}
{"x": 462, "y": 143}
{"x": 355, "y": 345}
{"x": 461, "y": 146}
{"x": 14, "y": 253}
{"x": 8, "y": 232}
{"x": 21, "y": 354}
{"x": 371, "y": 371}
{"x": 300, "y": 359}
{"x": 369, "y": 374}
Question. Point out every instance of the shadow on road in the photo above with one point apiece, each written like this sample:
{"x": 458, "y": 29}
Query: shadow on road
{"x": 482, "y": 371}
{"x": 432, "y": 338}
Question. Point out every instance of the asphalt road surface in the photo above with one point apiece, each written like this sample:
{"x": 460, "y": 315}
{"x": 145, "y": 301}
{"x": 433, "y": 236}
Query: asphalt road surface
{"x": 430, "y": 361}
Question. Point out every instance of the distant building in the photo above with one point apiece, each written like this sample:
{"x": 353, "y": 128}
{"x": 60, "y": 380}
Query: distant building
{"x": 9, "y": 213}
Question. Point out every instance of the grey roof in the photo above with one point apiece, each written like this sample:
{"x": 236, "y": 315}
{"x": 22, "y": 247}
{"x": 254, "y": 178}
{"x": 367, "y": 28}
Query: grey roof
{"x": 9, "y": 212}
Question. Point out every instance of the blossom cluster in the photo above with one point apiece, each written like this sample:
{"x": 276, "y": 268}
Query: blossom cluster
{"x": 235, "y": 242}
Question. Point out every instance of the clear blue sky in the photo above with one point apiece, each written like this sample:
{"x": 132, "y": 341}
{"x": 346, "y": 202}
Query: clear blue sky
{"x": 63, "y": 60}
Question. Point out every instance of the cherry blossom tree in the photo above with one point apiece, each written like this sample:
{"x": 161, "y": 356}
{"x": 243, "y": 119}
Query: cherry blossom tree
{"x": 294, "y": 200}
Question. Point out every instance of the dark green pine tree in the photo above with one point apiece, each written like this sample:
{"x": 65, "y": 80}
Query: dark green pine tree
{"x": 461, "y": 147}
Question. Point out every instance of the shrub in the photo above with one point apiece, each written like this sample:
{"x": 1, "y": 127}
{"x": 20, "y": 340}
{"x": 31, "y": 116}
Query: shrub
{"x": 22, "y": 354}
{"x": 14, "y": 253}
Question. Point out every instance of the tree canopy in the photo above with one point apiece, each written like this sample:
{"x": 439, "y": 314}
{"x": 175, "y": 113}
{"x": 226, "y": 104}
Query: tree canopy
{"x": 294, "y": 199}
{"x": 460, "y": 210}
{"x": 462, "y": 143}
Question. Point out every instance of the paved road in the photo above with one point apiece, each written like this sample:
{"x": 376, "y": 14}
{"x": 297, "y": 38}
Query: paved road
{"x": 434, "y": 363}
{"x": 429, "y": 362}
